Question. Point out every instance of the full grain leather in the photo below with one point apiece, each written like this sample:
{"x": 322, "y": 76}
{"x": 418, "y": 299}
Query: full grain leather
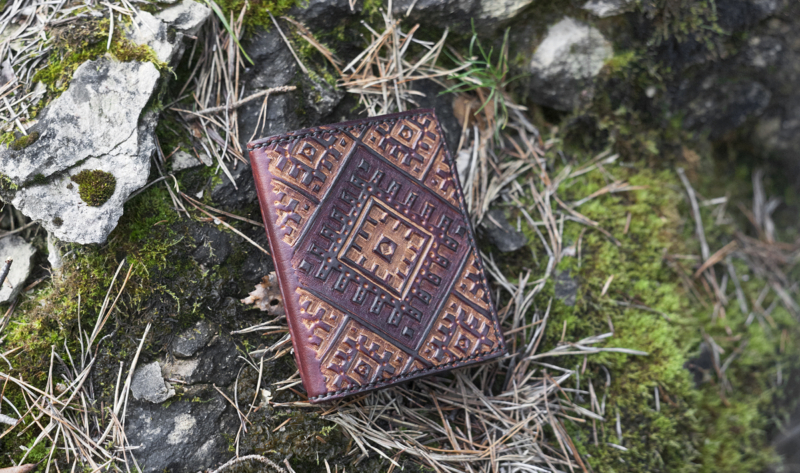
{"x": 374, "y": 253}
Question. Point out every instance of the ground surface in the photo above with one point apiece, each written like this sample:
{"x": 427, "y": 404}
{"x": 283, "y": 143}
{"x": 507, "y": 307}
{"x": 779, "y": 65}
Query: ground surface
{"x": 684, "y": 89}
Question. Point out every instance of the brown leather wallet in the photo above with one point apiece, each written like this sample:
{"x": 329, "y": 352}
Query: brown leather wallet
{"x": 374, "y": 253}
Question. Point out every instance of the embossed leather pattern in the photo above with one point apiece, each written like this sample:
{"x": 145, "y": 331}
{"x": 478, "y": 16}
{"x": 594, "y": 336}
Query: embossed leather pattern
{"x": 375, "y": 256}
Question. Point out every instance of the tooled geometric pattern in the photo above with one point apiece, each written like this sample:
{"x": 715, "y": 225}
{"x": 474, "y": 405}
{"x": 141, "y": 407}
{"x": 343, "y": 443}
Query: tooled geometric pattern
{"x": 440, "y": 179}
{"x": 381, "y": 251}
{"x": 458, "y": 332}
{"x": 361, "y": 357}
{"x": 321, "y": 320}
{"x": 387, "y": 246}
{"x": 470, "y": 283}
{"x": 294, "y": 210}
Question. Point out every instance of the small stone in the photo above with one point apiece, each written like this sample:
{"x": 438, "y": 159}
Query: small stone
{"x": 16, "y": 248}
{"x": 501, "y": 233}
{"x": 607, "y": 8}
{"x": 488, "y": 15}
{"x": 190, "y": 434}
{"x": 189, "y": 342}
{"x": 565, "y": 63}
{"x": 324, "y": 14}
{"x": 187, "y": 17}
{"x": 566, "y": 288}
{"x": 148, "y": 384}
{"x": 182, "y": 160}
{"x": 722, "y": 104}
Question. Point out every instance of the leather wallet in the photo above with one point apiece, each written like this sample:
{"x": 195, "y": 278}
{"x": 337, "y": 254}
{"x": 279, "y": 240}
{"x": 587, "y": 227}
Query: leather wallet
{"x": 374, "y": 253}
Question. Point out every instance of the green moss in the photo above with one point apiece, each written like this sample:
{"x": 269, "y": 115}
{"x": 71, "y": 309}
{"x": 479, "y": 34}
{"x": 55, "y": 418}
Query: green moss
{"x": 95, "y": 187}
{"x": 257, "y": 13}
{"x": 621, "y": 60}
{"x": 84, "y": 41}
{"x": 6, "y": 184}
{"x": 24, "y": 141}
{"x": 697, "y": 427}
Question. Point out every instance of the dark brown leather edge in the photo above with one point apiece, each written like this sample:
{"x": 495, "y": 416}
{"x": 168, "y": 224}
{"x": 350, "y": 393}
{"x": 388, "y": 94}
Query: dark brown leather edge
{"x": 306, "y": 359}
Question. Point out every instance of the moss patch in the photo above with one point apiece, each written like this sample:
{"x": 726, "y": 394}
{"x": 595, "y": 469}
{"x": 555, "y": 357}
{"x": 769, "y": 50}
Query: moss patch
{"x": 95, "y": 187}
{"x": 257, "y": 13}
{"x": 84, "y": 41}
{"x": 24, "y": 141}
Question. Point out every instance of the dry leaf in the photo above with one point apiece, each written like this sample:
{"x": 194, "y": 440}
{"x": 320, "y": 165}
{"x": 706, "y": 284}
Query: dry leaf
{"x": 266, "y": 296}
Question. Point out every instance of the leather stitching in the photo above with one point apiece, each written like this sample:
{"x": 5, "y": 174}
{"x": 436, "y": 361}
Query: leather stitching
{"x": 336, "y": 130}
{"x": 362, "y": 387}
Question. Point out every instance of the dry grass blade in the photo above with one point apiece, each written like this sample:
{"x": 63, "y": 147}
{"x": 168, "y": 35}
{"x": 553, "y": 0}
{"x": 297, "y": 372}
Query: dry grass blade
{"x": 67, "y": 411}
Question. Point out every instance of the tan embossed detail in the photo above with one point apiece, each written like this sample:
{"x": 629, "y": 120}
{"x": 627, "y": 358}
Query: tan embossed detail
{"x": 440, "y": 179}
{"x": 312, "y": 162}
{"x": 387, "y": 246}
{"x": 361, "y": 357}
{"x": 458, "y": 332}
{"x": 321, "y": 319}
{"x": 416, "y": 365}
{"x": 293, "y": 210}
{"x": 471, "y": 284}
{"x": 410, "y": 144}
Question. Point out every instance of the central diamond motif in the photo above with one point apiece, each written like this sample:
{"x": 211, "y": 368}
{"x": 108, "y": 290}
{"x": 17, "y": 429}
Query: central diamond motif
{"x": 386, "y": 247}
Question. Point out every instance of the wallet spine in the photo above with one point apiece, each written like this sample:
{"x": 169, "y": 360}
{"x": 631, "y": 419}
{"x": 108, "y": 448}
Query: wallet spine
{"x": 259, "y": 163}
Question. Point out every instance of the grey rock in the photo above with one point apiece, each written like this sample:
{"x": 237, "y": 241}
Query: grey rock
{"x": 324, "y": 14}
{"x": 6, "y": 73}
{"x": 566, "y": 288}
{"x": 501, "y": 233}
{"x": 778, "y": 131}
{"x": 565, "y": 63}
{"x": 149, "y": 385}
{"x": 737, "y": 15}
{"x": 720, "y": 105}
{"x": 187, "y": 17}
{"x": 189, "y": 342}
{"x": 182, "y": 160}
{"x": 54, "y": 252}
{"x": 489, "y": 15}
{"x": 213, "y": 245}
{"x": 151, "y": 31}
{"x": 97, "y": 124}
{"x": 320, "y": 98}
{"x": 255, "y": 267}
{"x": 607, "y": 8}
{"x": 22, "y": 252}
{"x": 154, "y": 31}
{"x": 226, "y": 195}
{"x": 274, "y": 67}
{"x": 94, "y": 125}
{"x": 215, "y": 363}
{"x": 185, "y": 436}
{"x": 763, "y": 52}
{"x": 98, "y": 115}
{"x": 498, "y": 11}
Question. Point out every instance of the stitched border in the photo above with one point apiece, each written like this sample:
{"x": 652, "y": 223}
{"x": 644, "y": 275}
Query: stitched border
{"x": 337, "y": 130}
{"x": 399, "y": 377}
{"x": 363, "y": 124}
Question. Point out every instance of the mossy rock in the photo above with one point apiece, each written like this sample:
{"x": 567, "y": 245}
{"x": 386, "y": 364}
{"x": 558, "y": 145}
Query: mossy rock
{"x": 24, "y": 141}
{"x": 95, "y": 187}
